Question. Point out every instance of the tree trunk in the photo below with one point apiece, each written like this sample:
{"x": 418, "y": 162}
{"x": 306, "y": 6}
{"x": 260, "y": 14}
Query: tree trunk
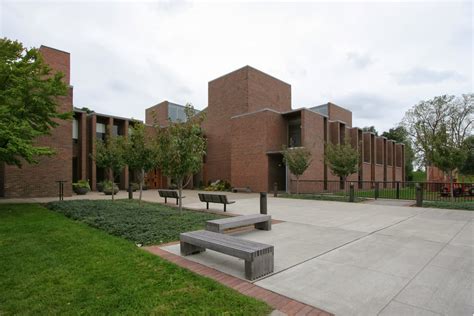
{"x": 297, "y": 185}
{"x": 180, "y": 191}
{"x": 142, "y": 177}
{"x": 344, "y": 185}
{"x": 450, "y": 173}
{"x": 113, "y": 185}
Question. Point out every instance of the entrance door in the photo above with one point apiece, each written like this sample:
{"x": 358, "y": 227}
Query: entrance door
{"x": 276, "y": 172}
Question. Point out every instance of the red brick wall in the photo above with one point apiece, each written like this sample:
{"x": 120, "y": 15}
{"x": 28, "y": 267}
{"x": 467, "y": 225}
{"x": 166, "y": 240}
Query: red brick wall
{"x": 242, "y": 91}
{"x": 265, "y": 91}
{"x": 338, "y": 113}
{"x": 157, "y": 114}
{"x": 39, "y": 180}
{"x": 249, "y": 159}
{"x": 367, "y": 171}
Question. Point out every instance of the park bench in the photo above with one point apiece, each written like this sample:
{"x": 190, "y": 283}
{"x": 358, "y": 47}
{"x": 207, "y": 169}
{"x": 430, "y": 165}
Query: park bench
{"x": 169, "y": 194}
{"x": 258, "y": 257}
{"x": 214, "y": 198}
{"x": 261, "y": 221}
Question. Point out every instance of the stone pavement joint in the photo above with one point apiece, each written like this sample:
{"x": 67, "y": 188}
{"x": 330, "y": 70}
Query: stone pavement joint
{"x": 279, "y": 302}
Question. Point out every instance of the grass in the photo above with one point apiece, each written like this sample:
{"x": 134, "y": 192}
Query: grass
{"x": 150, "y": 224}
{"x": 52, "y": 265}
{"x": 321, "y": 197}
{"x": 451, "y": 205}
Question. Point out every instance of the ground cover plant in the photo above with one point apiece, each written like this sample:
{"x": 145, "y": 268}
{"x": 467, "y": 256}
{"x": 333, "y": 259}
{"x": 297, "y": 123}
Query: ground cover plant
{"x": 322, "y": 197}
{"x": 150, "y": 223}
{"x": 451, "y": 205}
{"x": 51, "y": 265}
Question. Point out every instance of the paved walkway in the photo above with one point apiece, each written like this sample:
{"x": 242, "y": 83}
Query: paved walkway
{"x": 356, "y": 259}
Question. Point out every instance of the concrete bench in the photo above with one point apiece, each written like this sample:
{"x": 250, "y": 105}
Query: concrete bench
{"x": 214, "y": 198}
{"x": 169, "y": 194}
{"x": 258, "y": 257}
{"x": 263, "y": 222}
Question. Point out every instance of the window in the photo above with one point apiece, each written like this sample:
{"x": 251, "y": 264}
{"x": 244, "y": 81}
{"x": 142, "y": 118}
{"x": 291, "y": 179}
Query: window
{"x": 115, "y": 130}
{"x": 100, "y": 131}
{"x": 176, "y": 113}
{"x": 294, "y": 133}
{"x": 75, "y": 130}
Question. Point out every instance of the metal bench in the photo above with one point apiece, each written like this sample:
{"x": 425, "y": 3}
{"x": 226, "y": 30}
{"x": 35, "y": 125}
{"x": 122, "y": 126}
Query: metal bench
{"x": 214, "y": 198}
{"x": 258, "y": 257}
{"x": 169, "y": 194}
{"x": 263, "y": 222}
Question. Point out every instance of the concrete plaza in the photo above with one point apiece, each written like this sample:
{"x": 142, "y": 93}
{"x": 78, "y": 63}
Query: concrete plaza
{"x": 354, "y": 258}
{"x": 361, "y": 259}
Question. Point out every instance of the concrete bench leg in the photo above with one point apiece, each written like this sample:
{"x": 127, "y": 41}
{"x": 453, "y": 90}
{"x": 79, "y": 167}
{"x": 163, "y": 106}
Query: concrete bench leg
{"x": 260, "y": 266}
{"x": 264, "y": 225}
{"x": 189, "y": 249}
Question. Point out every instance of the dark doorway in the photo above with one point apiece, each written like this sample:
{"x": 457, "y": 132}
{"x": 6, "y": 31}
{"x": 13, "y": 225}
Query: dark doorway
{"x": 75, "y": 170}
{"x": 276, "y": 172}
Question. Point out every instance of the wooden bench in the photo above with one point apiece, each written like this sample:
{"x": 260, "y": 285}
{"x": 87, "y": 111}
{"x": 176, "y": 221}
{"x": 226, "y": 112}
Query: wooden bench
{"x": 263, "y": 222}
{"x": 214, "y": 198}
{"x": 258, "y": 257}
{"x": 169, "y": 194}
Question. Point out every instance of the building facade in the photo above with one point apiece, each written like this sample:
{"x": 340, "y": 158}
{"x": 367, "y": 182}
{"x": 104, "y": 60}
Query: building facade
{"x": 248, "y": 120}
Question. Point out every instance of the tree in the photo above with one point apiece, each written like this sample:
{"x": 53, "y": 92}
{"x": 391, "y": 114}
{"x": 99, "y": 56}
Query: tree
{"x": 181, "y": 148}
{"x": 342, "y": 159}
{"x": 28, "y": 102}
{"x": 370, "y": 129}
{"x": 400, "y": 135}
{"x": 467, "y": 168}
{"x": 447, "y": 154}
{"x": 426, "y": 119}
{"x": 110, "y": 156}
{"x": 140, "y": 153}
{"x": 298, "y": 159}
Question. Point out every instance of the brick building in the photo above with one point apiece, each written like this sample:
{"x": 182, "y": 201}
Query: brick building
{"x": 249, "y": 119}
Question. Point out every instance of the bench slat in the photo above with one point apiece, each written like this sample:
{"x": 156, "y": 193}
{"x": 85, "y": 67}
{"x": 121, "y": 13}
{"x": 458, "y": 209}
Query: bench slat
{"x": 229, "y": 245}
{"x": 238, "y": 221}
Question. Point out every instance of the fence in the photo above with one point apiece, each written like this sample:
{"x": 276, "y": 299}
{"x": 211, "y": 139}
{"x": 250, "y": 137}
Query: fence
{"x": 403, "y": 190}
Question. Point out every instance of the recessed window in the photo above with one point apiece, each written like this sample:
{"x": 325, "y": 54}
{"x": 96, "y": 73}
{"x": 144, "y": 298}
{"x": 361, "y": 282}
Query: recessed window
{"x": 75, "y": 129}
{"x": 100, "y": 131}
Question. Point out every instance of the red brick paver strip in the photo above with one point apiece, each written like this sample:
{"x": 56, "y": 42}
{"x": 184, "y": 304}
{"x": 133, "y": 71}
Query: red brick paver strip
{"x": 279, "y": 302}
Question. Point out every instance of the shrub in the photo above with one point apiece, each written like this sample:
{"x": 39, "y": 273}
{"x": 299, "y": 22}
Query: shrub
{"x": 82, "y": 184}
{"x": 219, "y": 185}
{"x": 107, "y": 187}
{"x": 81, "y": 187}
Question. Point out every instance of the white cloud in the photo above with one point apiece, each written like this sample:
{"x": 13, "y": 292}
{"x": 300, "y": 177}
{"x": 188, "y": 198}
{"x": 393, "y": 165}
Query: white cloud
{"x": 359, "y": 60}
{"x": 420, "y": 75}
{"x": 127, "y": 56}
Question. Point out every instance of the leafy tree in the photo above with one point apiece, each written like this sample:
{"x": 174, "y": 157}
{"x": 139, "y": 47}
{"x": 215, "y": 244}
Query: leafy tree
{"x": 447, "y": 154}
{"x": 370, "y": 129}
{"x": 342, "y": 159}
{"x": 400, "y": 135}
{"x": 298, "y": 159}
{"x": 28, "y": 102}
{"x": 140, "y": 153}
{"x": 424, "y": 120}
{"x": 181, "y": 148}
{"x": 110, "y": 156}
{"x": 467, "y": 168}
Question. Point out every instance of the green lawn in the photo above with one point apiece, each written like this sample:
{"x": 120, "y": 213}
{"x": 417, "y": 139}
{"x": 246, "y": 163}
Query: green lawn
{"x": 52, "y": 265}
{"x": 322, "y": 197}
{"x": 152, "y": 223}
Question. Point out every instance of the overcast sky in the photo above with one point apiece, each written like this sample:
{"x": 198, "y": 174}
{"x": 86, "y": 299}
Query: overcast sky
{"x": 376, "y": 59}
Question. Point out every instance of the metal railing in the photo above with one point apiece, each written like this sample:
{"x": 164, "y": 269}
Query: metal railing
{"x": 403, "y": 190}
